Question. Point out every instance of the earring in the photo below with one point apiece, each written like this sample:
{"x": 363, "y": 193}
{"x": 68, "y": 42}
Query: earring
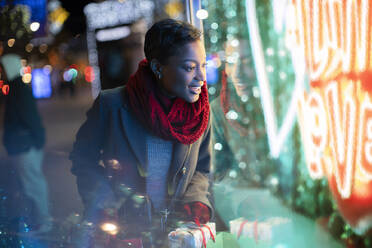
{"x": 159, "y": 75}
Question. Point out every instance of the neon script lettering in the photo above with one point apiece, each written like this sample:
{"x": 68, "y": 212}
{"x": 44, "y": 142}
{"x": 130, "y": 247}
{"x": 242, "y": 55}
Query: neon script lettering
{"x": 334, "y": 34}
{"x": 337, "y": 133}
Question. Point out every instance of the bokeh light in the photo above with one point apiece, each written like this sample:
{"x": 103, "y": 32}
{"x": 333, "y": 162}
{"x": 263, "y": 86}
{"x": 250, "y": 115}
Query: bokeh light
{"x": 11, "y": 42}
{"x": 5, "y": 89}
{"x": 212, "y": 90}
{"x": 29, "y": 47}
{"x": 218, "y": 146}
{"x": 70, "y": 74}
{"x": 110, "y": 228}
{"x": 43, "y": 48}
{"x": 202, "y": 14}
{"x": 89, "y": 74}
{"x": 214, "y": 25}
{"x": 34, "y": 26}
{"x": 26, "y": 78}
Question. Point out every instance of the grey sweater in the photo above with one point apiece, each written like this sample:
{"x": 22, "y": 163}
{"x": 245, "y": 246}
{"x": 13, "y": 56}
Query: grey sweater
{"x": 159, "y": 153}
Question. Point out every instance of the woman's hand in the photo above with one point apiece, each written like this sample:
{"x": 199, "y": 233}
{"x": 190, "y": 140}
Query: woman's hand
{"x": 197, "y": 212}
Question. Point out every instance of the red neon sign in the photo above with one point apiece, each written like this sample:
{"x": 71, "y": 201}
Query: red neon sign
{"x": 334, "y": 35}
{"x": 336, "y": 114}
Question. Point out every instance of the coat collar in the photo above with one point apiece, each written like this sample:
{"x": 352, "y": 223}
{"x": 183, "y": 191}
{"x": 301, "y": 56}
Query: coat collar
{"x": 137, "y": 135}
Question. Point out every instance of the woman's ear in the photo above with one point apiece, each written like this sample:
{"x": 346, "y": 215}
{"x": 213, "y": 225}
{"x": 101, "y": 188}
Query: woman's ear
{"x": 156, "y": 68}
{"x": 154, "y": 65}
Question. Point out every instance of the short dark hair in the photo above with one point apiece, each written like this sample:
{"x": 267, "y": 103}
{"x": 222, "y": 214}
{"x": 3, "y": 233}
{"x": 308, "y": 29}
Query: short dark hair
{"x": 166, "y": 37}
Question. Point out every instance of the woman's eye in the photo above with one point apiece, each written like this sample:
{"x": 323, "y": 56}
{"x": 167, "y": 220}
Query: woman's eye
{"x": 190, "y": 68}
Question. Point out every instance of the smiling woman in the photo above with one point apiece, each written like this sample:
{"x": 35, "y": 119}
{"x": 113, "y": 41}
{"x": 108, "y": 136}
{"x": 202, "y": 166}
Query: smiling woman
{"x": 153, "y": 137}
{"x": 184, "y": 73}
{"x": 178, "y": 63}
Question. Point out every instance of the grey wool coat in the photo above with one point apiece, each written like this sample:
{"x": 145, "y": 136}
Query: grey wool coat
{"x": 111, "y": 146}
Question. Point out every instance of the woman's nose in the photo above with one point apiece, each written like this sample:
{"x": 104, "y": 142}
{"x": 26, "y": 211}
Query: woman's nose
{"x": 200, "y": 74}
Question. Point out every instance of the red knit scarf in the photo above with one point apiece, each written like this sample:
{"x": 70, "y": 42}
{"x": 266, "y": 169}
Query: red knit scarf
{"x": 185, "y": 122}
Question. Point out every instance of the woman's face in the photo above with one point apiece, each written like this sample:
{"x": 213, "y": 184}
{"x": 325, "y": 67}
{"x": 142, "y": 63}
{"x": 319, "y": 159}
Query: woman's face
{"x": 237, "y": 68}
{"x": 184, "y": 74}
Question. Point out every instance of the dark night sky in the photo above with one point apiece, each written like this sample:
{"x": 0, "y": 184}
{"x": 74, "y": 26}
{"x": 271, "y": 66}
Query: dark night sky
{"x": 75, "y": 23}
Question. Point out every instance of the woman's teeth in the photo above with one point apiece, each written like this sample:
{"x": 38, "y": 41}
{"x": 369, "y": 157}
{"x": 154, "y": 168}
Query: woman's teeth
{"x": 195, "y": 90}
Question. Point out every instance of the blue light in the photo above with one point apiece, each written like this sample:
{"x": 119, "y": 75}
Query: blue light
{"x": 212, "y": 71}
{"x": 70, "y": 74}
{"x": 41, "y": 85}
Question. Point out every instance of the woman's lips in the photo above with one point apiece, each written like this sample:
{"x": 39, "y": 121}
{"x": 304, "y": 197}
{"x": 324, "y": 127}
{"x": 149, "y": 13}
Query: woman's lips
{"x": 242, "y": 88}
{"x": 195, "y": 90}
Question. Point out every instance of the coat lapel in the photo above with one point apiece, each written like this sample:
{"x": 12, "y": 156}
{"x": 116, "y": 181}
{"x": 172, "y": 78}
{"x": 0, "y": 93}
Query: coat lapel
{"x": 179, "y": 156}
{"x": 136, "y": 135}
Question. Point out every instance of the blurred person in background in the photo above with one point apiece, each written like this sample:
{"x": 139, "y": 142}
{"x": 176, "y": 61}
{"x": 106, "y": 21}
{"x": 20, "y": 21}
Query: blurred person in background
{"x": 24, "y": 139}
{"x": 234, "y": 149}
{"x": 150, "y": 139}
{"x": 231, "y": 111}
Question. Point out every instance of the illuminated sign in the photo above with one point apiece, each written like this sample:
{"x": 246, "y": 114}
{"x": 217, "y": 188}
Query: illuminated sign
{"x": 335, "y": 35}
{"x": 329, "y": 127}
{"x": 106, "y": 16}
{"x": 330, "y": 41}
{"x": 336, "y": 114}
{"x": 112, "y": 33}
